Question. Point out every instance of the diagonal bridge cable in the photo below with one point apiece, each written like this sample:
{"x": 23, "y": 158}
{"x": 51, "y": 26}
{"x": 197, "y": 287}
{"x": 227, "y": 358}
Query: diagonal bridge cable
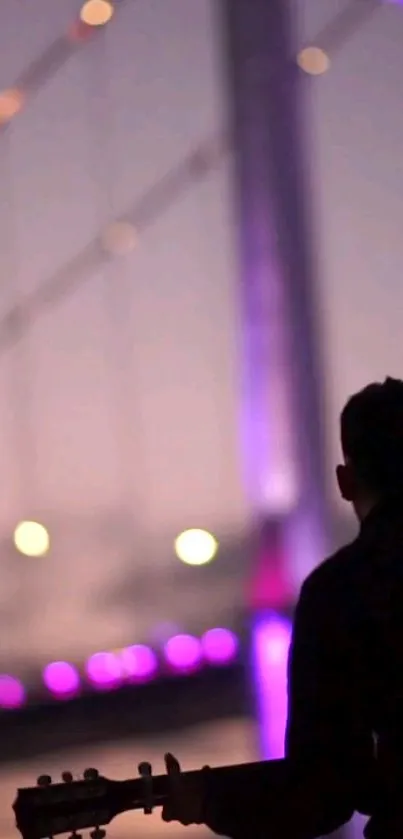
{"x": 154, "y": 202}
{"x": 43, "y": 68}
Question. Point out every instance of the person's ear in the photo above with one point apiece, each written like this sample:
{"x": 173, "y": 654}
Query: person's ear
{"x": 346, "y": 481}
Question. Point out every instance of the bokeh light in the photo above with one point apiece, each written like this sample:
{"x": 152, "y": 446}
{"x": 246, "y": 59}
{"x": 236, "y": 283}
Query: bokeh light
{"x": 196, "y": 547}
{"x": 11, "y": 102}
{"x": 31, "y": 538}
{"x": 61, "y": 679}
{"x": 220, "y": 646}
{"x": 183, "y": 653}
{"x": 313, "y": 60}
{"x": 96, "y": 12}
{"x": 12, "y": 693}
{"x": 105, "y": 670}
{"x": 139, "y": 663}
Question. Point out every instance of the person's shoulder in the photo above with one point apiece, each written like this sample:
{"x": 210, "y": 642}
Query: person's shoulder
{"x": 334, "y": 573}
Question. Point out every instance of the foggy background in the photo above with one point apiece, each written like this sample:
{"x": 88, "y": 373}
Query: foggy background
{"x": 120, "y": 381}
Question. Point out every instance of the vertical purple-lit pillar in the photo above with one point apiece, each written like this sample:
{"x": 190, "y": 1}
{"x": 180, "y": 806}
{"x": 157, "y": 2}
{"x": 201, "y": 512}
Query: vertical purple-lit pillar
{"x": 283, "y": 440}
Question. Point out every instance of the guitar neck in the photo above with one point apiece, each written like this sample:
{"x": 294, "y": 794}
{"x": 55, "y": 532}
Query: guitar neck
{"x": 133, "y": 790}
{"x": 53, "y": 809}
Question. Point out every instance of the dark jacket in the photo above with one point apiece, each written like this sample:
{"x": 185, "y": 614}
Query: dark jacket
{"x": 344, "y": 742}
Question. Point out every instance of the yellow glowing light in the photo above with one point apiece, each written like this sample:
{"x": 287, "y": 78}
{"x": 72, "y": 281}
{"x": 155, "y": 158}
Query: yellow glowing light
{"x": 96, "y": 12}
{"x": 119, "y": 238}
{"x": 31, "y": 538}
{"x": 313, "y": 60}
{"x": 196, "y": 547}
{"x": 11, "y": 102}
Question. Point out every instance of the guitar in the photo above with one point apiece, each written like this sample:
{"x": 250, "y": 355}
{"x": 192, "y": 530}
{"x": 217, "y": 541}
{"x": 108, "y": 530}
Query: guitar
{"x": 48, "y": 809}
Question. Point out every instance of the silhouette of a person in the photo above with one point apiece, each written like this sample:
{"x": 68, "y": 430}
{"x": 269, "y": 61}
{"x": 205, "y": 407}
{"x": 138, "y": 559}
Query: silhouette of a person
{"x": 344, "y": 741}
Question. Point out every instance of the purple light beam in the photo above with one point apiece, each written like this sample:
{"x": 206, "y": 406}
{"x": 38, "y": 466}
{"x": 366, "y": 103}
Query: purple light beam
{"x": 270, "y": 646}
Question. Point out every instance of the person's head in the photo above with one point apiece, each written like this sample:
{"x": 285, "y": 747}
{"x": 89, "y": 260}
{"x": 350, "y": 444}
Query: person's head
{"x": 371, "y": 426}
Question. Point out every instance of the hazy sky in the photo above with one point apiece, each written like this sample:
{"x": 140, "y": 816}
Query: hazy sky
{"x": 119, "y": 410}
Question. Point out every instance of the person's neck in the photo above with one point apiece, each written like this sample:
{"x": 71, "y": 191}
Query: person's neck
{"x": 364, "y": 507}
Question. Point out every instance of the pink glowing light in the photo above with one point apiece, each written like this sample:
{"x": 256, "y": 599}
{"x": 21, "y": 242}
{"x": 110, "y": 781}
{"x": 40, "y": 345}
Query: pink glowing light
{"x": 269, "y": 586}
{"x": 220, "y": 646}
{"x": 183, "y": 653}
{"x": 105, "y": 670}
{"x": 270, "y": 646}
{"x": 140, "y": 663}
{"x": 61, "y": 679}
{"x": 12, "y": 693}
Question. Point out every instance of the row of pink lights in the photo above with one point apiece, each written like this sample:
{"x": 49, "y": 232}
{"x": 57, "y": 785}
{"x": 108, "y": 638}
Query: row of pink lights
{"x": 139, "y": 664}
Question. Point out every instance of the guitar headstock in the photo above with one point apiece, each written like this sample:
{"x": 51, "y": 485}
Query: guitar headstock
{"x": 49, "y": 809}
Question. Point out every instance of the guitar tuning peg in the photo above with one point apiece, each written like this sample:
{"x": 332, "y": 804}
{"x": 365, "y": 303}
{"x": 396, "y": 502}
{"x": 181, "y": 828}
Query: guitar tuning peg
{"x": 98, "y": 833}
{"x": 67, "y": 777}
{"x": 44, "y": 781}
{"x": 145, "y": 772}
{"x": 91, "y": 774}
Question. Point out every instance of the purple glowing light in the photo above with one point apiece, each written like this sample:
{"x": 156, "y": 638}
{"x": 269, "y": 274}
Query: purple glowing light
{"x": 220, "y": 646}
{"x": 184, "y": 653}
{"x": 139, "y": 663}
{"x": 270, "y": 646}
{"x": 105, "y": 670}
{"x": 62, "y": 679}
{"x": 12, "y": 693}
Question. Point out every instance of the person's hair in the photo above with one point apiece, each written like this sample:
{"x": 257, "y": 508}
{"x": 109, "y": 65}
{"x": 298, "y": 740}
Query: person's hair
{"x": 372, "y": 436}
